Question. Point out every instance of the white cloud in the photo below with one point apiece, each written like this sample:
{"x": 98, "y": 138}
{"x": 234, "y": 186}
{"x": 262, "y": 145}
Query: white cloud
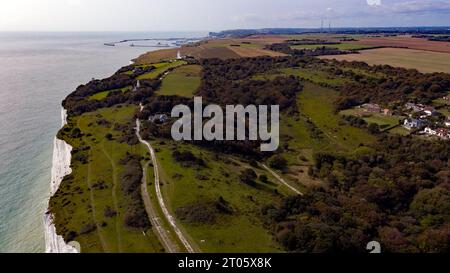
{"x": 424, "y": 6}
{"x": 374, "y": 2}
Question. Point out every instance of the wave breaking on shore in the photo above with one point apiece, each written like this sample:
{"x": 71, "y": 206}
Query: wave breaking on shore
{"x": 55, "y": 243}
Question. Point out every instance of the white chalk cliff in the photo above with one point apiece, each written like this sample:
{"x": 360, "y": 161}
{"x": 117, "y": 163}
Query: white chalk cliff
{"x": 55, "y": 243}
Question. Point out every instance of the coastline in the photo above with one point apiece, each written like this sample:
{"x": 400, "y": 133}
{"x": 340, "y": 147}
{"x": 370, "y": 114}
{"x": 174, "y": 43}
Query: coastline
{"x": 55, "y": 243}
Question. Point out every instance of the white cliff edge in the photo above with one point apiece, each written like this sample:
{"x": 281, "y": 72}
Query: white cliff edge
{"x": 55, "y": 243}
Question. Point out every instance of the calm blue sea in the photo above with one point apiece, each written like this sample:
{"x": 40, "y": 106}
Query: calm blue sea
{"x": 37, "y": 70}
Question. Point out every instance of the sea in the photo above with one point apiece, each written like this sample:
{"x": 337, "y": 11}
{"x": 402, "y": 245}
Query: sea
{"x": 37, "y": 71}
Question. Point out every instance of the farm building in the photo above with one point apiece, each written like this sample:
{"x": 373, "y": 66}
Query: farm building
{"x": 414, "y": 107}
{"x": 440, "y": 132}
{"x": 388, "y": 112}
{"x": 371, "y": 107}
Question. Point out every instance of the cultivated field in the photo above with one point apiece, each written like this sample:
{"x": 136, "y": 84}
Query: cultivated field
{"x": 343, "y": 46}
{"x": 423, "y": 61}
{"x": 405, "y": 42}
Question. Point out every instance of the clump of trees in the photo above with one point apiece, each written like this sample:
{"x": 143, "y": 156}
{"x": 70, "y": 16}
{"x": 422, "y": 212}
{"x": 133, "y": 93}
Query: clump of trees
{"x": 248, "y": 177}
{"x": 204, "y": 212}
{"x": 131, "y": 179}
{"x": 229, "y": 82}
{"x": 358, "y": 122}
{"x": 79, "y": 102}
{"x": 286, "y": 48}
{"x": 278, "y": 162}
{"x": 188, "y": 159}
{"x": 387, "y": 85}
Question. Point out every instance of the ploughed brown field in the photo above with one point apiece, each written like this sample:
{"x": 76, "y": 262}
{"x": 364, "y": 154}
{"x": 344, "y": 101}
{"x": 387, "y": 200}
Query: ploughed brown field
{"x": 423, "y": 61}
{"x": 406, "y": 42}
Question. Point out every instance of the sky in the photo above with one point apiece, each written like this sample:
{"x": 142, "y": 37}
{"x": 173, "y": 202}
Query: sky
{"x": 214, "y": 15}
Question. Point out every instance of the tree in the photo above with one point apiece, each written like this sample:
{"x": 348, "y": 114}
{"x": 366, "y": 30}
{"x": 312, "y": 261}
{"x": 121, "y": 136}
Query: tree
{"x": 431, "y": 201}
{"x": 263, "y": 178}
{"x": 248, "y": 177}
{"x": 278, "y": 162}
{"x": 374, "y": 128}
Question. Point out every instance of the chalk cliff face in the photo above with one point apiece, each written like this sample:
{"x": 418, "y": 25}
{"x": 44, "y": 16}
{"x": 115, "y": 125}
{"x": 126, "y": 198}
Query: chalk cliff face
{"x": 54, "y": 243}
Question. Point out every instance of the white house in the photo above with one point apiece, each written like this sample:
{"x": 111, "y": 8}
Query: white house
{"x": 447, "y": 122}
{"x": 413, "y": 123}
{"x": 159, "y": 118}
{"x": 430, "y": 131}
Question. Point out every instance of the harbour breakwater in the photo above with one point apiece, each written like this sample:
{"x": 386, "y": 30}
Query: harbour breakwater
{"x": 55, "y": 243}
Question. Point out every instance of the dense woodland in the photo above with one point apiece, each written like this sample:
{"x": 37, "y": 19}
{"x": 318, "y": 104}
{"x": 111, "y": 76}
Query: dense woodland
{"x": 286, "y": 48}
{"x": 399, "y": 194}
{"x": 388, "y": 84}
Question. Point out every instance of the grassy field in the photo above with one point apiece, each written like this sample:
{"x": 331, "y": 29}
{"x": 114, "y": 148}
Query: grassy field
{"x": 423, "y": 61}
{"x": 440, "y": 102}
{"x": 182, "y": 81}
{"x": 104, "y": 94}
{"x": 88, "y": 200}
{"x": 343, "y": 46}
{"x": 160, "y": 69}
{"x": 312, "y": 75}
{"x": 385, "y": 122}
{"x": 404, "y": 41}
{"x": 400, "y": 131}
{"x": 317, "y": 104}
{"x": 242, "y": 231}
{"x": 317, "y": 128}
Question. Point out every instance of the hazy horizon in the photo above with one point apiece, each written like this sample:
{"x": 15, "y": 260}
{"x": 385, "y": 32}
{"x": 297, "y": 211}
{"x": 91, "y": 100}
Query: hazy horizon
{"x": 204, "y": 15}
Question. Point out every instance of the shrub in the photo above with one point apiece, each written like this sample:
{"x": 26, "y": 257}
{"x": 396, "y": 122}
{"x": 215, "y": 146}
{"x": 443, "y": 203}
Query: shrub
{"x": 278, "y": 162}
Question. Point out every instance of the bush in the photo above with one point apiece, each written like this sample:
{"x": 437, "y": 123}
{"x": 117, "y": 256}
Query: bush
{"x": 263, "y": 178}
{"x": 248, "y": 177}
{"x": 278, "y": 162}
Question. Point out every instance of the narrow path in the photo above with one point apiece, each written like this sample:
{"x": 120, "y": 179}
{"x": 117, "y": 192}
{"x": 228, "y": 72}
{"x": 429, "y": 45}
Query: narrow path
{"x": 91, "y": 201}
{"x": 281, "y": 180}
{"x": 164, "y": 209}
{"x": 114, "y": 197}
{"x": 153, "y": 217}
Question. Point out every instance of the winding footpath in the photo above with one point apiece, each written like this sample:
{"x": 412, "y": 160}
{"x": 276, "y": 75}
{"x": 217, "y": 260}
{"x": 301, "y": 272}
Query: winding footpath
{"x": 281, "y": 180}
{"x": 153, "y": 216}
{"x": 164, "y": 209}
